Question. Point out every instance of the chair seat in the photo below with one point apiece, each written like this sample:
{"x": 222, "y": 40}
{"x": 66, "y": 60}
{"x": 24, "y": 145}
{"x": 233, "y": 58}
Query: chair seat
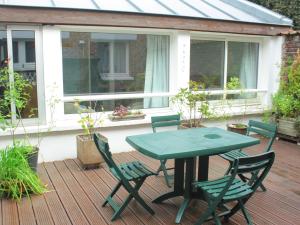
{"x": 133, "y": 170}
{"x": 232, "y": 155}
{"x": 237, "y": 190}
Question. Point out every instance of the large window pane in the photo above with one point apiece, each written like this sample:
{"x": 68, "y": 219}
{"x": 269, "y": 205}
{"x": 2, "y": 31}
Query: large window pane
{"x": 207, "y": 63}
{"x": 243, "y": 63}
{"x": 104, "y": 63}
{"x": 24, "y": 54}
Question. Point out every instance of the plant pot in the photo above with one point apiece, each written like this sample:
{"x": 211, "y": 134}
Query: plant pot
{"x": 87, "y": 152}
{"x": 127, "y": 117}
{"x": 286, "y": 126}
{"x": 32, "y": 158}
{"x": 237, "y": 128}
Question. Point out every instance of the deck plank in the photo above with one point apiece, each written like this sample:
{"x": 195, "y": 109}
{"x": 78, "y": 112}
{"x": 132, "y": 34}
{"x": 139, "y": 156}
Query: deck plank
{"x": 75, "y": 196}
{"x": 73, "y": 210}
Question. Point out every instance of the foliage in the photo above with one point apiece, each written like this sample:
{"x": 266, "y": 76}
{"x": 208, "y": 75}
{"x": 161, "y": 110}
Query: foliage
{"x": 195, "y": 100}
{"x": 233, "y": 83}
{"x": 286, "y": 102}
{"x": 289, "y": 8}
{"x": 16, "y": 177}
{"x": 89, "y": 120}
{"x": 14, "y": 92}
{"x": 123, "y": 111}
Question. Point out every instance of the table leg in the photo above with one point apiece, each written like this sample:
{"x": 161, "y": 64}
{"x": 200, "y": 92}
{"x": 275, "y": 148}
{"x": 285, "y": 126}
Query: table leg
{"x": 189, "y": 178}
{"x": 178, "y": 182}
{"x": 203, "y": 168}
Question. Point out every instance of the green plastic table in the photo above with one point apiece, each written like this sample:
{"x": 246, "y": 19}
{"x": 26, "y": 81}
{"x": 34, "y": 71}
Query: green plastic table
{"x": 186, "y": 146}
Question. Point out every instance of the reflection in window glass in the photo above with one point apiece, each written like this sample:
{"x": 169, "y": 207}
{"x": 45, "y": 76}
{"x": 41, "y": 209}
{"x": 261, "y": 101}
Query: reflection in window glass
{"x": 105, "y": 63}
{"x": 24, "y": 49}
{"x": 243, "y": 63}
{"x": 108, "y": 105}
{"x": 207, "y": 63}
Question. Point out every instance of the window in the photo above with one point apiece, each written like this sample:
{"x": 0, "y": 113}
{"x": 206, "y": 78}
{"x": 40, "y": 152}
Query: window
{"x": 208, "y": 62}
{"x": 100, "y": 64}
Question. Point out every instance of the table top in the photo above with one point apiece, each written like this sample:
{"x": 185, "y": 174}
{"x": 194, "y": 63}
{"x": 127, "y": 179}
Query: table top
{"x": 186, "y": 143}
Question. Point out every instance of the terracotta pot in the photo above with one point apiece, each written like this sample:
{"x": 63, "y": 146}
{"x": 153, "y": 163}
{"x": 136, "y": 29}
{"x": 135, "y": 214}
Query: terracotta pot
{"x": 237, "y": 128}
{"x": 87, "y": 152}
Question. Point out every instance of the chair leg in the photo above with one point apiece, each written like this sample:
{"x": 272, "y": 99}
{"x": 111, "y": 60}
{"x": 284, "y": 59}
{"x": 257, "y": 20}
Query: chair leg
{"x": 263, "y": 187}
{"x": 204, "y": 216}
{"x": 163, "y": 168}
{"x": 116, "y": 188}
{"x": 138, "y": 198}
{"x": 216, "y": 219}
{"x": 245, "y": 213}
{"x": 229, "y": 168}
{"x": 121, "y": 209}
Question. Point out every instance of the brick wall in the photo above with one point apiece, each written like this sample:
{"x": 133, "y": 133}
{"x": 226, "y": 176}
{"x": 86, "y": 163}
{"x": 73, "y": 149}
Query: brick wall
{"x": 291, "y": 45}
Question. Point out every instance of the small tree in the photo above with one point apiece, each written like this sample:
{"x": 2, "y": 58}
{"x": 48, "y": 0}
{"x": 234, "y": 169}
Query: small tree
{"x": 194, "y": 99}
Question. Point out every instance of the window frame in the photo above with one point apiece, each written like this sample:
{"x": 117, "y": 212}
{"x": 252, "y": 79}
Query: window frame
{"x": 41, "y": 119}
{"x": 227, "y": 39}
{"x": 101, "y": 97}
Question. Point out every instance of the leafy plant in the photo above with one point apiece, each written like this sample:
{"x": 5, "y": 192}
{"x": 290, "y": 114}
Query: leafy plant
{"x": 89, "y": 120}
{"x": 286, "y": 102}
{"x": 195, "y": 100}
{"x": 16, "y": 177}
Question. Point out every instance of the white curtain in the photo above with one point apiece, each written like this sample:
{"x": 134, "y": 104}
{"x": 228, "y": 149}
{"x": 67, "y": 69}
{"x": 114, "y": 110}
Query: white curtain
{"x": 249, "y": 66}
{"x": 157, "y": 70}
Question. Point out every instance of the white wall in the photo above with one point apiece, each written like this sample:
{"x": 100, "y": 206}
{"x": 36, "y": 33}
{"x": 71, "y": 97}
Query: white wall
{"x": 61, "y": 143}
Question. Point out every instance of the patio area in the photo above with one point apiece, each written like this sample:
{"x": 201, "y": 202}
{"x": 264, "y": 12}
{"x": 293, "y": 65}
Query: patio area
{"x": 75, "y": 196}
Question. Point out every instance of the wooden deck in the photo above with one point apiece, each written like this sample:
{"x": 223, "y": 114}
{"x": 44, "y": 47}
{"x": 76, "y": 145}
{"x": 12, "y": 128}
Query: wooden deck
{"x": 75, "y": 196}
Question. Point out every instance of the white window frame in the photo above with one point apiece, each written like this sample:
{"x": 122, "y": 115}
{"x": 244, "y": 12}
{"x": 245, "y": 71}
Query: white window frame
{"x": 38, "y": 67}
{"x": 234, "y": 38}
{"x": 102, "y": 97}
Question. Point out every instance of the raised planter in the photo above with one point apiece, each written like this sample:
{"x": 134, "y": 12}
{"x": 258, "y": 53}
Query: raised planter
{"x": 287, "y": 129}
{"x": 237, "y": 128}
{"x": 127, "y": 117}
{"x": 87, "y": 152}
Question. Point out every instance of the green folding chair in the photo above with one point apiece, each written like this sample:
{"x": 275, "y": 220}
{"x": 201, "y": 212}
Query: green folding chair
{"x": 125, "y": 173}
{"x": 165, "y": 121}
{"x": 230, "y": 188}
{"x": 264, "y": 129}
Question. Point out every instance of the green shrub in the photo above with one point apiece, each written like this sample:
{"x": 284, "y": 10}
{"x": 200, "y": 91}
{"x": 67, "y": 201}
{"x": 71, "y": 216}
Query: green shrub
{"x": 16, "y": 177}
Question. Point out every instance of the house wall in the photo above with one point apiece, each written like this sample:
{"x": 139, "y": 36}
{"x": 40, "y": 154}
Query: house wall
{"x": 291, "y": 45}
{"x": 60, "y": 143}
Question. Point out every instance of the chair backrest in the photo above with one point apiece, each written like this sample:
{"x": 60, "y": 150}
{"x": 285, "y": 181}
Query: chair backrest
{"x": 165, "y": 121}
{"x": 103, "y": 148}
{"x": 266, "y": 130}
{"x": 258, "y": 165}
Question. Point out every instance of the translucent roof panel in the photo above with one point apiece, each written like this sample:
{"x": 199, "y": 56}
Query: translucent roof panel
{"x": 40, "y": 3}
{"x": 152, "y": 6}
{"x": 234, "y": 10}
{"x": 118, "y": 5}
{"x": 81, "y": 4}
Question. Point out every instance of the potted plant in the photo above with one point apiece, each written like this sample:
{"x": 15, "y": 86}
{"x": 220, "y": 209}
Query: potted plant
{"x": 16, "y": 177}
{"x": 124, "y": 113}
{"x": 238, "y": 126}
{"x": 286, "y": 102}
{"x": 14, "y": 99}
{"x": 192, "y": 105}
{"x": 87, "y": 152}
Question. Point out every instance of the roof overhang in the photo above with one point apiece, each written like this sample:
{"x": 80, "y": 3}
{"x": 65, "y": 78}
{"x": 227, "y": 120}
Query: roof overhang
{"x": 55, "y": 16}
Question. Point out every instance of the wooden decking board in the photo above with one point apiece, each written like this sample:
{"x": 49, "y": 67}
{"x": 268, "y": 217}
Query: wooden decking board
{"x": 143, "y": 215}
{"x": 95, "y": 197}
{"x": 26, "y": 214}
{"x": 87, "y": 207}
{"x": 76, "y": 196}
{"x": 104, "y": 190}
{"x": 70, "y": 205}
{"x": 10, "y": 214}
{"x": 55, "y": 206}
